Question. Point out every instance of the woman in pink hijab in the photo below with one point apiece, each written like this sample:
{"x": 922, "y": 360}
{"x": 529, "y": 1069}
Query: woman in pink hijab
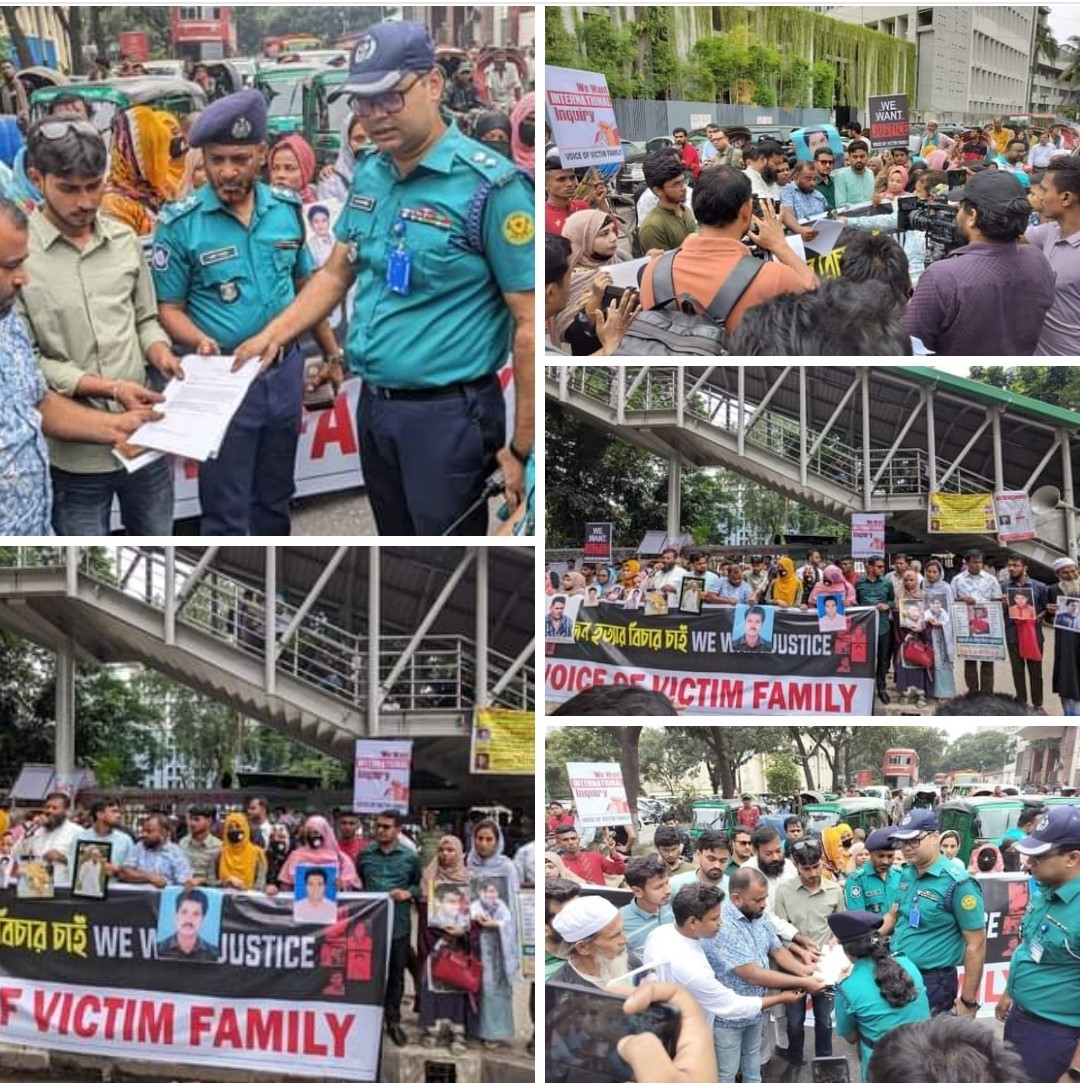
{"x": 523, "y": 133}
{"x": 832, "y": 583}
{"x": 291, "y": 164}
{"x": 317, "y": 845}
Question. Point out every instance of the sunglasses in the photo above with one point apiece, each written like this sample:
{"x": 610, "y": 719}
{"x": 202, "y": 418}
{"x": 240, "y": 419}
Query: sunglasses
{"x": 58, "y": 129}
{"x": 807, "y": 848}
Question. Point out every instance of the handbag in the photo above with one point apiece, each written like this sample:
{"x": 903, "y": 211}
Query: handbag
{"x": 916, "y": 653}
{"x": 458, "y": 969}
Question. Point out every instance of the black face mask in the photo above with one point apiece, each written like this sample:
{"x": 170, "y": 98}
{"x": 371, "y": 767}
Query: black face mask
{"x": 279, "y": 847}
{"x": 527, "y": 132}
{"x": 315, "y": 840}
{"x": 236, "y": 836}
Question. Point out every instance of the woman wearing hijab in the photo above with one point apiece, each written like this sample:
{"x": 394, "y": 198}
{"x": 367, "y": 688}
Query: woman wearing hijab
{"x": 554, "y": 868}
{"x": 949, "y": 844}
{"x": 146, "y": 167}
{"x": 317, "y": 845}
{"x": 336, "y": 180}
{"x": 241, "y": 865}
{"x": 912, "y": 681}
{"x": 938, "y": 597}
{"x": 573, "y": 583}
{"x": 494, "y": 1022}
{"x": 832, "y": 582}
{"x": 523, "y": 133}
{"x": 291, "y": 165}
{"x": 444, "y": 1010}
{"x": 277, "y": 853}
{"x": 784, "y": 591}
{"x": 495, "y": 130}
{"x": 593, "y": 247}
{"x": 836, "y": 843}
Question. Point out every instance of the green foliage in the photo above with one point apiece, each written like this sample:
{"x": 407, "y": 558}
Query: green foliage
{"x": 1057, "y": 385}
{"x": 983, "y": 751}
{"x": 576, "y": 744}
{"x": 823, "y": 77}
{"x": 795, "y": 83}
{"x": 782, "y": 774}
{"x": 667, "y": 760}
{"x": 868, "y": 749}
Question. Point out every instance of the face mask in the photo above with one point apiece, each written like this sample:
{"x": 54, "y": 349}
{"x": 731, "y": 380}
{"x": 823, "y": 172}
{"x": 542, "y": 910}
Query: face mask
{"x": 315, "y": 840}
{"x": 278, "y": 847}
{"x": 846, "y": 843}
{"x": 236, "y": 835}
{"x": 500, "y": 146}
{"x": 527, "y": 132}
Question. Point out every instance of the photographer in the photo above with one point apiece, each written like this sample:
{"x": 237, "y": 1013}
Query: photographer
{"x": 991, "y": 295}
{"x": 724, "y": 210}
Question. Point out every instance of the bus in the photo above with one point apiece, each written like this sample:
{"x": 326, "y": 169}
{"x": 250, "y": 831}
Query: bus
{"x": 900, "y": 768}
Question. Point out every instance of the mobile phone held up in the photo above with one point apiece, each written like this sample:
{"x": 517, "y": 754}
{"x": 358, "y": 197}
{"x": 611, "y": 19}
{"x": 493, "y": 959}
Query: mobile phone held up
{"x": 585, "y": 1026}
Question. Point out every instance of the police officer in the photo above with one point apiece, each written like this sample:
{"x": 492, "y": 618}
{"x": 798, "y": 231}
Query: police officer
{"x": 872, "y": 887}
{"x": 1041, "y": 1006}
{"x": 937, "y": 918}
{"x": 881, "y": 991}
{"x": 225, "y": 260}
{"x": 437, "y": 234}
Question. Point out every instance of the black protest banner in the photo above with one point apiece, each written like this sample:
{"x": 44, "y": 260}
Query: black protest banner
{"x": 728, "y": 660}
{"x": 1005, "y": 897}
{"x": 85, "y": 974}
{"x": 889, "y": 124}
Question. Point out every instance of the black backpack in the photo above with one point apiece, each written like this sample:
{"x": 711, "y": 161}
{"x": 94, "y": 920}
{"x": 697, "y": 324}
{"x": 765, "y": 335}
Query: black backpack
{"x": 661, "y": 330}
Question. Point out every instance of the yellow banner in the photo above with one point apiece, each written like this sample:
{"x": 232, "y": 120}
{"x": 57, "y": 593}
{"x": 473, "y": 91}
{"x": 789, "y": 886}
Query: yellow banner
{"x": 503, "y": 743}
{"x": 961, "y": 513}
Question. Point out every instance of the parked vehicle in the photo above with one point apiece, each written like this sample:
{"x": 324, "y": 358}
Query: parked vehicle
{"x": 979, "y": 820}
{"x": 109, "y": 97}
{"x": 868, "y": 813}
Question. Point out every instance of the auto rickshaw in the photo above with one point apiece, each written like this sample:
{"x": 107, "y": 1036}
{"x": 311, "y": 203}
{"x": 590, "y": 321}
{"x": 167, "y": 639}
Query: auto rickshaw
{"x": 979, "y": 820}
{"x": 37, "y": 77}
{"x": 109, "y": 97}
{"x": 711, "y": 814}
{"x": 869, "y": 813}
{"x": 283, "y": 88}
{"x": 324, "y": 120}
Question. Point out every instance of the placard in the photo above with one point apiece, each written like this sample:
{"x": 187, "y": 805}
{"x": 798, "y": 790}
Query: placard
{"x": 582, "y": 117}
{"x": 961, "y": 513}
{"x": 867, "y": 535}
{"x": 597, "y": 545}
{"x": 381, "y": 776}
{"x": 889, "y": 123}
{"x": 599, "y": 794}
{"x": 503, "y": 742}
{"x": 1014, "y": 516}
{"x": 979, "y": 632}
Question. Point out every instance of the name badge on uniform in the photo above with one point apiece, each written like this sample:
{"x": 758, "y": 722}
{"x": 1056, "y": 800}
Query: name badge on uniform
{"x": 362, "y": 203}
{"x": 219, "y": 255}
{"x": 399, "y": 263}
{"x": 914, "y": 918}
{"x": 1036, "y": 951}
{"x": 229, "y": 292}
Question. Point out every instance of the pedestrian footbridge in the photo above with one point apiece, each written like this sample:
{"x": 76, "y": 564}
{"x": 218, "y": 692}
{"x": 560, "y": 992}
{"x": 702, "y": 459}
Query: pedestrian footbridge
{"x": 843, "y": 438}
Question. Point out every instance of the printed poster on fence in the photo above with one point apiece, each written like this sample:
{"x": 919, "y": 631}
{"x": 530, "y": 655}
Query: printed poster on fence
{"x": 726, "y": 660}
{"x": 381, "y": 777}
{"x": 598, "y": 542}
{"x": 979, "y": 632}
{"x": 599, "y": 794}
{"x": 582, "y": 118}
{"x": 867, "y": 535}
{"x": 1014, "y": 517}
{"x": 961, "y": 513}
{"x": 503, "y": 742}
{"x": 86, "y": 976}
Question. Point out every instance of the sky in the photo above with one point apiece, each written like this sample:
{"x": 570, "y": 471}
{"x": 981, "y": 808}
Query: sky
{"x": 1065, "y": 21}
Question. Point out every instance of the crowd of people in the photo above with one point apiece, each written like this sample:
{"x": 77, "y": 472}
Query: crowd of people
{"x": 256, "y": 849}
{"x": 123, "y": 251}
{"x": 870, "y": 930}
{"x": 1009, "y": 285}
{"x": 915, "y": 600}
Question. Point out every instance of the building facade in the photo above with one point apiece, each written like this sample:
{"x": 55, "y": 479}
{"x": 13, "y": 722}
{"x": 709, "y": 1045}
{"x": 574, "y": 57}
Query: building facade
{"x": 45, "y": 37}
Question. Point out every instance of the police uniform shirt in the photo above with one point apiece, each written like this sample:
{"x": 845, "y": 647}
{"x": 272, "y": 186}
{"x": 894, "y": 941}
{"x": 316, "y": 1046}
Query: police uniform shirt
{"x": 1044, "y": 976}
{"x": 232, "y": 279}
{"x": 938, "y": 940}
{"x": 453, "y": 325}
{"x": 865, "y": 890}
{"x": 860, "y": 1006}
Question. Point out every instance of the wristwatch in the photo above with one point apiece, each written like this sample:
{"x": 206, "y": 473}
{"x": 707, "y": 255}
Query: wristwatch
{"x": 522, "y": 458}
{"x": 1073, "y": 1073}
{"x": 974, "y": 1005}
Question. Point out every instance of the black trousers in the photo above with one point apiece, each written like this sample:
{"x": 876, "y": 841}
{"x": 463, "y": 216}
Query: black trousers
{"x": 979, "y": 676}
{"x": 1034, "y": 675}
{"x": 942, "y": 988}
{"x": 884, "y": 654}
{"x": 395, "y": 978}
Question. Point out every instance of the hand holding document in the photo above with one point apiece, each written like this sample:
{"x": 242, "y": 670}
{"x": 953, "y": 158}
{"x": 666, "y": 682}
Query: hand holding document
{"x": 828, "y": 233}
{"x": 196, "y": 411}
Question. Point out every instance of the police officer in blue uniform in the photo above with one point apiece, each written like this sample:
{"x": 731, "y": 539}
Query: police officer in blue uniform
{"x": 437, "y": 234}
{"x": 226, "y": 260}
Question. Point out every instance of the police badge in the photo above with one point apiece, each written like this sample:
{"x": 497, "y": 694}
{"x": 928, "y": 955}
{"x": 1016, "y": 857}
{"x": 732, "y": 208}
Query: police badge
{"x": 229, "y": 292}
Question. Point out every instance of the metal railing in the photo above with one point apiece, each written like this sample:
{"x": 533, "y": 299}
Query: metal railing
{"x": 906, "y": 474}
{"x": 439, "y": 676}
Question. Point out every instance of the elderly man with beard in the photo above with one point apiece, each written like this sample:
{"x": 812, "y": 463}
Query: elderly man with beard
{"x": 679, "y": 952}
{"x": 595, "y": 944}
{"x": 1065, "y": 680}
{"x": 740, "y": 955}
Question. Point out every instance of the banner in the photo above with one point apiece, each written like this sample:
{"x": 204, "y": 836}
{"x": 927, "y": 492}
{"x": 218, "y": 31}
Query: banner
{"x": 582, "y": 118}
{"x": 526, "y": 932}
{"x": 599, "y": 794}
{"x": 889, "y": 125}
{"x": 979, "y": 632}
{"x": 867, "y": 535}
{"x": 1015, "y": 519}
{"x": 85, "y": 976}
{"x": 728, "y": 660}
{"x": 381, "y": 778}
{"x": 598, "y": 542}
{"x": 961, "y": 513}
{"x": 503, "y": 743}
{"x": 1005, "y": 897}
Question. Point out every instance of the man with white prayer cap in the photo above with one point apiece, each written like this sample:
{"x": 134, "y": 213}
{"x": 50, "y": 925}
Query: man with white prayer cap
{"x": 592, "y": 929}
{"x": 1065, "y": 681}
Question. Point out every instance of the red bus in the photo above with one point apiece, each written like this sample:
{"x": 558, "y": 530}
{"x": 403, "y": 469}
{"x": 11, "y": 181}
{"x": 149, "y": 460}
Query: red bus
{"x": 202, "y": 33}
{"x": 900, "y": 768}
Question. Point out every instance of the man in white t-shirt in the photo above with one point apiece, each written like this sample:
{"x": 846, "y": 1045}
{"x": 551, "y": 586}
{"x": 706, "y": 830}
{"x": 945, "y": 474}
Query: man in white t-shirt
{"x": 53, "y": 843}
{"x": 503, "y": 83}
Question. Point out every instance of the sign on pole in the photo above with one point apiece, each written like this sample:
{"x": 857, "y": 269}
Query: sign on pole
{"x": 961, "y": 513}
{"x": 582, "y": 118}
{"x": 599, "y": 794}
{"x": 598, "y": 542}
{"x": 867, "y": 534}
{"x": 381, "y": 779}
{"x": 889, "y": 124}
{"x": 503, "y": 742}
{"x": 1014, "y": 516}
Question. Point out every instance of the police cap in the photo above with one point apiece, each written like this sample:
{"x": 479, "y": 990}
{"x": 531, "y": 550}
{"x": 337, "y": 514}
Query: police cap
{"x": 848, "y": 925}
{"x": 384, "y": 54}
{"x": 880, "y": 838}
{"x": 915, "y": 823}
{"x": 238, "y": 119}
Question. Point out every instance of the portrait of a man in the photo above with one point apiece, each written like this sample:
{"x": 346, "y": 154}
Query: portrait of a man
{"x": 186, "y": 929}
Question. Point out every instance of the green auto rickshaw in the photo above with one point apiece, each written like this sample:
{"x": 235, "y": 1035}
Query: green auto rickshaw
{"x": 980, "y": 820}
{"x": 711, "y": 814}
{"x": 324, "y": 120}
{"x": 869, "y": 813}
{"x": 111, "y": 96}
{"x": 283, "y": 89}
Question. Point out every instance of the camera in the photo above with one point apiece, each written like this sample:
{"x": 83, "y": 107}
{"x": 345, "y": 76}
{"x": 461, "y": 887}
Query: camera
{"x": 936, "y": 218}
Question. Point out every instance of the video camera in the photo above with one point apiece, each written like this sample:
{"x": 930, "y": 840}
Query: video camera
{"x": 934, "y": 217}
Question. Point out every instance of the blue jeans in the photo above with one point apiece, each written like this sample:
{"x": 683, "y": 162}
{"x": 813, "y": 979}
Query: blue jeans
{"x": 82, "y": 503}
{"x": 738, "y": 1047}
{"x": 796, "y": 1027}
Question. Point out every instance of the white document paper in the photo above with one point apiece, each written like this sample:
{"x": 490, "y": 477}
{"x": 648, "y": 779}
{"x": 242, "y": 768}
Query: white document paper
{"x": 626, "y": 274}
{"x": 829, "y": 230}
{"x": 832, "y": 965}
{"x": 796, "y": 244}
{"x": 197, "y": 410}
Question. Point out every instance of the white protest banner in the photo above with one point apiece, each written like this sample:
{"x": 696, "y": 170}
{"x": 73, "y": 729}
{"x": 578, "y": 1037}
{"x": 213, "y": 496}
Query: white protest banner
{"x": 381, "y": 779}
{"x": 1015, "y": 519}
{"x": 979, "y": 632}
{"x": 599, "y": 794}
{"x": 582, "y": 118}
{"x": 867, "y": 534}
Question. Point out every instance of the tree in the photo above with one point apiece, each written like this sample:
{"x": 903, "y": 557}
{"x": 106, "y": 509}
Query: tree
{"x": 729, "y": 747}
{"x": 871, "y": 742}
{"x": 577, "y": 744}
{"x": 18, "y": 38}
{"x": 667, "y": 758}
{"x": 985, "y": 751}
{"x": 782, "y": 774}
{"x": 1053, "y": 384}
{"x": 71, "y": 19}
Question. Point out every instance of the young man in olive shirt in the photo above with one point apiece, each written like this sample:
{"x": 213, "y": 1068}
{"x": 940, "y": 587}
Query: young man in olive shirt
{"x": 669, "y": 223}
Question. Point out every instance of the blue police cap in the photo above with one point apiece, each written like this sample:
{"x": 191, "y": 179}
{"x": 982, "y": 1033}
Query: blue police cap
{"x": 880, "y": 838}
{"x": 915, "y": 823}
{"x": 237, "y": 119}
{"x": 1059, "y": 826}
{"x": 384, "y": 54}
{"x": 848, "y": 925}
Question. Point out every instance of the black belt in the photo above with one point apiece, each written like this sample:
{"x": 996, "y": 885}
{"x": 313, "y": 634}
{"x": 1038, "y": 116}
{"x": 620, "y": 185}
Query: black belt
{"x": 1074, "y": 1031}
{"x": 421, "y": 393}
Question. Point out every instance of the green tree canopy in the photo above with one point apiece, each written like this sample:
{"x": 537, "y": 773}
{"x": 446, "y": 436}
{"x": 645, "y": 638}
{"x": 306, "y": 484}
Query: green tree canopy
{"x": 983, "y": 751}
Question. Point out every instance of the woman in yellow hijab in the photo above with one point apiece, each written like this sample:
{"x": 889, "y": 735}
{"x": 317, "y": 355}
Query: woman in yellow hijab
{"x": 147, "y": 162}
{"x": 242, "y": 864}
{"x": 785, "y": 590}
{"x": 837, "y": 862}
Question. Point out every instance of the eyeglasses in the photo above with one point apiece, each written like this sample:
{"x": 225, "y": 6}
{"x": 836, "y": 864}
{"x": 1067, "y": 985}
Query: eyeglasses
{"x": 389, "y": 101}
{"x": 913, "y": 842}
{"x": 57, "y": 129}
